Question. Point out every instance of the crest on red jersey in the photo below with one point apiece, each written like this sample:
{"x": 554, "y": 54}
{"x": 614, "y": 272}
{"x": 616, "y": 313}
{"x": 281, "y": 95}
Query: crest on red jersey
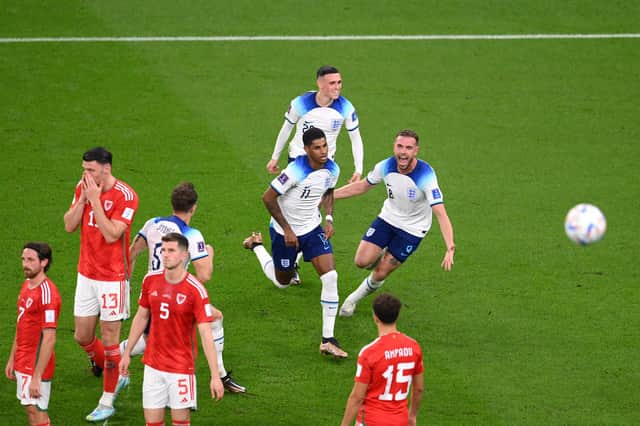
{"x": 180, "y": 298}
{"x": 107, "y": 205}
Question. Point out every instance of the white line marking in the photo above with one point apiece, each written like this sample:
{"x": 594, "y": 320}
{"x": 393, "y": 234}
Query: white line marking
{"x": 7, "y": 40}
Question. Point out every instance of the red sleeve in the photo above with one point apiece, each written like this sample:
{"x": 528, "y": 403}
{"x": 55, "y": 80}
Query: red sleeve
{"x": 143, "y": 300}
{"x": 125, "y": 208}
{"x": 76, "y": 194}
{"x": 50, "y": 307}
{"x": 202, "y": 308}
{"x": 364, "y": 371}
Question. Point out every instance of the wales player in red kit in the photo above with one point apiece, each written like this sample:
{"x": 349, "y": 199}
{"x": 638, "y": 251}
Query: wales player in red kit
{"x": 32, "y": 357}
{"x": 176, "y": 302}
{"x": 103, "y": 208}
{"x": 389, "y": 370}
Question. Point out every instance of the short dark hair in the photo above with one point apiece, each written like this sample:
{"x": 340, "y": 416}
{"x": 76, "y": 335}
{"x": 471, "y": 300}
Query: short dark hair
{"x": 182, "y": 241}
{"x": 312, "y": 134}
{"x": 43, "y": 250}
{"x": 326, "y": 69}
{"x": 410, "y": 134}
{"x": 387, "y": 308}
{"x": 99, "y": 154}
{"x": 184, "y": 197}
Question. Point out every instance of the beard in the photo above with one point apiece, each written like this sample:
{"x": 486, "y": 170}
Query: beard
{"x": 30, "y": 273}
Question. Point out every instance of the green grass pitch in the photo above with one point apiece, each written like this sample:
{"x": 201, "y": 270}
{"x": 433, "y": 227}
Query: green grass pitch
{"x": 527, "y": 329}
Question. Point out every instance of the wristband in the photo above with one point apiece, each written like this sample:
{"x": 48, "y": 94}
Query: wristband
{"x": 328, "y": 218}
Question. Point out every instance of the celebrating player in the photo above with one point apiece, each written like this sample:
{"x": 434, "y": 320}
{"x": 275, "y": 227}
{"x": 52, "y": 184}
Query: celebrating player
{"x": 184, "y": 200}
{"x": 103, "y": 208}
{"x": 326, "y": 110}
{"x": 387, "y": 368}
{"x": 412, "y": 195}
{"x": 175, "y": 301}
{"x": 292, "y": 200}
{"x": 32, "y": 357}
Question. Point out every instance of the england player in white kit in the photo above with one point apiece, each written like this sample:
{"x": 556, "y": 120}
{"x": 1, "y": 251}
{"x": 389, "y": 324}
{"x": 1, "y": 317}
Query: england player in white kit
{"x": 292, "y": 199}
{"x": 324, "y": 109}
{"x": 413, "y": 195}
{"x": 184, "y": 202}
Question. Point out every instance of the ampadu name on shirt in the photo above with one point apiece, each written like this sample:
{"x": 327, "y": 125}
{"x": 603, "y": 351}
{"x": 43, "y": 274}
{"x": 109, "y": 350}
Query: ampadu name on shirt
{"x": 398, "y": 352}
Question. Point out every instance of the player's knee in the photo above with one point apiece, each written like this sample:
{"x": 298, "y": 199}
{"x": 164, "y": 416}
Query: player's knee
{"x": 361, "y": 262}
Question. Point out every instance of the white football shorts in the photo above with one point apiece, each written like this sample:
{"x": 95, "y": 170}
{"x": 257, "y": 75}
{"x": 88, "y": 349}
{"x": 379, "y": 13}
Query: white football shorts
{"x": 109, "y": 299}
{"x": 41, "y": 403}
{"x": 161, "y": 389}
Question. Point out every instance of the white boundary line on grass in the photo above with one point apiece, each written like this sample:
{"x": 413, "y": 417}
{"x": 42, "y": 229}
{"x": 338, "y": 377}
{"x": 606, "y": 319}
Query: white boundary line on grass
{"x": 7, "y": 40}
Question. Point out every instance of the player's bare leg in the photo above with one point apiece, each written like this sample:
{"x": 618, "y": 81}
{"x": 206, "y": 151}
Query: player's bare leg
{"x": 85, "y": 335}
{"x": 371, "y": 283}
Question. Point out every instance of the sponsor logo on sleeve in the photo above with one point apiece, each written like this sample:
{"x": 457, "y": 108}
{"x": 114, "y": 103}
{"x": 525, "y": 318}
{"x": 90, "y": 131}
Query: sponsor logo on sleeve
{"x": 49, "y": 316}
{"x": 200, "y": 246}
{"x": 283, "y": 178}
{"x": 436, "y": 193}
{"x": 128, "y": 213}
{"x": 208, "y": 310}
{"x": 354, "y": 116}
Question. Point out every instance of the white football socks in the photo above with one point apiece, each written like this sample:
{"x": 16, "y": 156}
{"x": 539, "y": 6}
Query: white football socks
{"x": 367, "y": 287}
{"x": 218, "y": 339}
{"x": 267, "y": 264}
{"x": 329, "y": 301}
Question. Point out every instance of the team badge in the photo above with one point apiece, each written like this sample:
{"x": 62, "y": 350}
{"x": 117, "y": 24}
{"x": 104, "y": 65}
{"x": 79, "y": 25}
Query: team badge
{"x": 128, "y": 213}
{"x": 107, "y": 205}
{"x": 409, "y": 249}
{"x": 283, "y": 178}
{"x": 335, "y": 124}
{"x": 200, "y": 246}
{"x": 285, "y": 263}
{"x": 49, "y": 316}
{"x": 354, "y": 116}
{"x": 370, "y": 232}
{"x": 411, "y": 193}
{"x": 436, "y": 193}
{"x": 180, "y": 298}
{"x": 29, "y": 302}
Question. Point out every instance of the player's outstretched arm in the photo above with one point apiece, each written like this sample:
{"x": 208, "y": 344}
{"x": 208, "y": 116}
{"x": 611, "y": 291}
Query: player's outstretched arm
{"x": 352, "y": 189}
{"x": 206, "y": 338}
{"x": 357, "y": 149}
{"x": 446, "y": 228}
{"x": 354, "y": 401}
{"x": 138, "y": 246}
{"x": 281, "y": 140}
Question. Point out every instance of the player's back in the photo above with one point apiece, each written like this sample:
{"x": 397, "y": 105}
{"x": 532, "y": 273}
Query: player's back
{"x": 156, "y": 228}
{"x": 388, "y": 365}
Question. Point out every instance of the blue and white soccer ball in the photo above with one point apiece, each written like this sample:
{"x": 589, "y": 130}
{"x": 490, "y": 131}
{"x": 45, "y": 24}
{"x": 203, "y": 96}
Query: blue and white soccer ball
{"x": 585, "y": 224}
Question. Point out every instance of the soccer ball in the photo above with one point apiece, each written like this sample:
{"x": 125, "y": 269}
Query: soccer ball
{"x": 585, "y": 224}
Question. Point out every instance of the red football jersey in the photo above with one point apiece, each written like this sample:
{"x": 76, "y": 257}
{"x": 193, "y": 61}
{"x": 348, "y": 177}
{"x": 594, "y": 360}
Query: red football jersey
{"x": 38, "y": 308}
{"x": 175, "y": 310}
{"x": 387, "y": 365}
{"x": 100, "y": 260}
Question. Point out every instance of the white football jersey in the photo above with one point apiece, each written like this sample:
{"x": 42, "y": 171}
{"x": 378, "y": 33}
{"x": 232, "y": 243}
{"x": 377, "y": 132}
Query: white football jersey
{"x": 307, "y": 113}
{"x": 156, "y": 228}
{"x": 301, "y": 189}
{"x": 409, "y": 197}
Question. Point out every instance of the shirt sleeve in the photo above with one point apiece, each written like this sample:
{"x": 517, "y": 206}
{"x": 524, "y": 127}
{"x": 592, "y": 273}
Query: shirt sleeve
{"x": 363, "y": 370}
{"x": 202, "y": 309}
{"x": 432, "y": 190}
{"x": 376, "y": 175}
{"x": 51, "y": 309}
{"x": 357, "y": 149}
{"x": 125, "y": 209}
{"x": 197, "y": 246}
{"x": 143, "y": 299}
{"x": 287, "y": 179}
{"x": 76, "y": 194}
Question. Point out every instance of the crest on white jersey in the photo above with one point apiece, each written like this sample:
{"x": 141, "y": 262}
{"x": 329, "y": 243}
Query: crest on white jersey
{"x": 411, "y": 193}
{"x": 285, "y": 263}
{"x": 370, "y": 231}
{"x": 180, "y": 298}
{"x": 107, "y": 205}
{"x": 335, "y": 124}
{"x": 29, "y": 302}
